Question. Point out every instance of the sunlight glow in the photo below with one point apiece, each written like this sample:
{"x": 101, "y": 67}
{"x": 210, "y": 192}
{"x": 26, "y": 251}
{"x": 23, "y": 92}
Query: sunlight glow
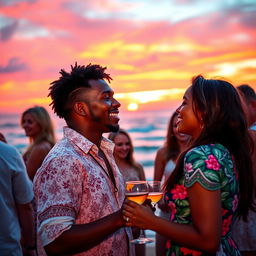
{"x": 143, "y": 97}
{"x": 228, "y": 69}
{"x": 132, "y": 106}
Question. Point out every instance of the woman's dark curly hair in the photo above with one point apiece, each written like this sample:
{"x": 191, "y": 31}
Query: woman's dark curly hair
{"x": 65, "y": 89}
{"x": 224, "y": 121}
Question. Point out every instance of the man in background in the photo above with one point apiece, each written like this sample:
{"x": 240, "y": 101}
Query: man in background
{"x": 244, "y": 233}
{"x": 250, "y": 99}
{"x": 17, "y": 215}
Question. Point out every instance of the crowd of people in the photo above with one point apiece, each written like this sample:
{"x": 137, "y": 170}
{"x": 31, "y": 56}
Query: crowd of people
{"x": 76, "y": 204}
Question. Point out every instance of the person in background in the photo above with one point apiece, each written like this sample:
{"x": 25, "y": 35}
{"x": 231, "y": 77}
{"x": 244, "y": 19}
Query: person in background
{"x": 79, "y": 191}
{"x": 250, "y": 100}
{"x": 212, "y": 182}
{"x": 123, "y": 153}
{"x": 38, "y": 126}
{"x": 130, "y": 169}
{"x": 17, "y": 216}
{"x": 244, "y": 232}
{"x": 165, "y": 162}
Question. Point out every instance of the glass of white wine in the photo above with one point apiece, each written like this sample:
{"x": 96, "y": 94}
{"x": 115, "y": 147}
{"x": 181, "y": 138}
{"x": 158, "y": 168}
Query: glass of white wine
{"x": 137, "y": 191}
{"x": 155, "y": 192}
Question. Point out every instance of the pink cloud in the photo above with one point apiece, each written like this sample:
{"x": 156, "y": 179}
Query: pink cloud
{"x": 129, "y": 47}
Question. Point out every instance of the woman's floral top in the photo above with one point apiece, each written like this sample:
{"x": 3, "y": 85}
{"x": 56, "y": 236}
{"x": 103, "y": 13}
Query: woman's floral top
{"x": 213, "y": 167}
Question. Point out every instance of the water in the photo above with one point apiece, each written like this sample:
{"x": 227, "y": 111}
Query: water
{"x": 147, "y": 130}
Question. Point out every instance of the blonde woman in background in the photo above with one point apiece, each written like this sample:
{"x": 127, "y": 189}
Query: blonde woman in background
{"x": 123, "y": 153}
{"x": 38, "y": 126}
{"x": 130, "y": 169}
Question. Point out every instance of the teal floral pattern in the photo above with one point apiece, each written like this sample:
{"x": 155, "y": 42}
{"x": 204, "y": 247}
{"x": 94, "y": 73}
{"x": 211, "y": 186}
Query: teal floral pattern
{"x": 213, "y": 167}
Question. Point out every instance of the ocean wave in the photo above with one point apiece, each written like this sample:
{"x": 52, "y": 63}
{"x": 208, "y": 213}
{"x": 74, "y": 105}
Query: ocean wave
{"x": 21, "y": 146}
{"x": 147, "y": 163}
{"x": 146, "y": 148}
{"x": 16, "y": 135}
{"x": 146, "y": 128}
{"x": 9, "y": 125}
{"x": 152, "y": 138}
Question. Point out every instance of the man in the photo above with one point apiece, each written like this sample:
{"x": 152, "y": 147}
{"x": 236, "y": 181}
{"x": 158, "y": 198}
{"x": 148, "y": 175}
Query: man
{"x": 244, "y": 233}
{"x": 79, "y": 190}
{"x": 250, "y": 99}
{"x": 17, "y": 215}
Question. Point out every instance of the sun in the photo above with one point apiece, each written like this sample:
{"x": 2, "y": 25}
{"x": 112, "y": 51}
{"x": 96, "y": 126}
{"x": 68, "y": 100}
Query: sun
{"x": 132, "y": 106}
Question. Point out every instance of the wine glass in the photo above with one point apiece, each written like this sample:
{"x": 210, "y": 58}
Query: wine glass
{"x": 155, "y": 192}
{"x": 137, "y": 191}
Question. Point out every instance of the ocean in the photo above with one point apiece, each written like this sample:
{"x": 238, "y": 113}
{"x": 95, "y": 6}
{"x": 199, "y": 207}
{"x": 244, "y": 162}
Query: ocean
{"x": 147, "y": 130}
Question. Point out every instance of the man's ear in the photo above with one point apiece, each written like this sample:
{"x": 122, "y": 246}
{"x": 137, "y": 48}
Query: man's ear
{"x": 80, "y": 108}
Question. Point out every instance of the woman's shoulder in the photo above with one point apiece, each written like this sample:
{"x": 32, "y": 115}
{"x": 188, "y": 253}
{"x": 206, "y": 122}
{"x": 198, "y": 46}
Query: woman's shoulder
{"x": 140, "y": 170}
{"x": 139, "y": 166}
{"x": 208, "y": 165}
{"x": 161, "y": 153}
{"x": 42, "y": 147}
{"x": 208, "y": 149}
{"x": 161, "y": 150}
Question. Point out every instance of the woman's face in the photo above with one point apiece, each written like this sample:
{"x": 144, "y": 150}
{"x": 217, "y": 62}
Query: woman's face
{"x": 122, "y": 146}
{"x": 187, "y": 121}
{"x": 31, "y": 127}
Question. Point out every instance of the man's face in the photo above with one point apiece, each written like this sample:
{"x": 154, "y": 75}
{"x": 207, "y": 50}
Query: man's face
{"x": 102, "y": 106}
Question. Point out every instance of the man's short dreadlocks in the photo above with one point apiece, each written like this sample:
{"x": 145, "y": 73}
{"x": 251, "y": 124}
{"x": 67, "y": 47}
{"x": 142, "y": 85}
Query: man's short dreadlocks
{"x": 61, "y": 89}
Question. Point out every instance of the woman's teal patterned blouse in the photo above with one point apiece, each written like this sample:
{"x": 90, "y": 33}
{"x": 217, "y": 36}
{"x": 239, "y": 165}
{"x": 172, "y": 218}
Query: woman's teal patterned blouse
{"x": 213, "y": 167}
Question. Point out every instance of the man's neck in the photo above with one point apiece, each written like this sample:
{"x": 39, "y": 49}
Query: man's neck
{"x": 90, "y": 134}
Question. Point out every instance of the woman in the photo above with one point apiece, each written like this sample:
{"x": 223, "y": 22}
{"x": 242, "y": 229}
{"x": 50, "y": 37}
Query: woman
{"x": 130, "y": 169}
{"x": 165, "y": 161}
{"x": 123, "y": 153}
{"x": 37, "y": 125}
{"x": 203, "y": 192}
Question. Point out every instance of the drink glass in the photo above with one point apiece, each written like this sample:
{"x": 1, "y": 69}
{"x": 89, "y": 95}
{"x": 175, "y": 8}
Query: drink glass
{"x": 155, "y": 192}
{"x": 137, "y": 191}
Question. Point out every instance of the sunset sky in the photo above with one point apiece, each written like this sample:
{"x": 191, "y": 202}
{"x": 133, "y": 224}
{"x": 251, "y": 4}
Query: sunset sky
{"x": 152, "y": 48}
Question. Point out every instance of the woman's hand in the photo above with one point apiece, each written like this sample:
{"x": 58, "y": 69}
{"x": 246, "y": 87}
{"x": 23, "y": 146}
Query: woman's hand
{"x": 137, "y": 215}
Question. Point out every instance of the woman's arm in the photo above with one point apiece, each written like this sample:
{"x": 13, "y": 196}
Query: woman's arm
{"x": 159, "y": 165}
{"x": 203, "y": 234}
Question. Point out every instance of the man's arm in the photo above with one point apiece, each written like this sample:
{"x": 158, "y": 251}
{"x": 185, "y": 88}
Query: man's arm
{"x": 82, "y": 237}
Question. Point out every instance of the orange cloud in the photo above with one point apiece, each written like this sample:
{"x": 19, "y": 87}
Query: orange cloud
{"x": 148, "y": 48}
